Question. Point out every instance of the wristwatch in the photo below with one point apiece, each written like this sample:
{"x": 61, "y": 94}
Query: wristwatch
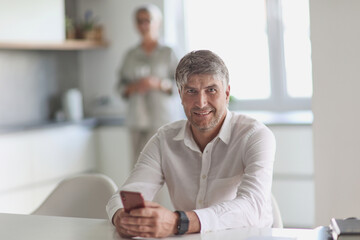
{"x": 183, "y": 223}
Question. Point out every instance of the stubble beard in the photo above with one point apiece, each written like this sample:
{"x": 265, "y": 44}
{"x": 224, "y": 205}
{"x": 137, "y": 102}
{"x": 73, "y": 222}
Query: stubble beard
{"x": 212, "y": 124}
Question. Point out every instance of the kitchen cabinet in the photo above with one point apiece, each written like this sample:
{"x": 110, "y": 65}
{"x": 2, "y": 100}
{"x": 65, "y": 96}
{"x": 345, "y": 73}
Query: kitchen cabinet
{"x": 114, "y": 152}
{"x": 34, "y": 161}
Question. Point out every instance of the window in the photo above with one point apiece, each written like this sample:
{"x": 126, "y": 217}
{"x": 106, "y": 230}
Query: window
{"x": 265, "y": 45}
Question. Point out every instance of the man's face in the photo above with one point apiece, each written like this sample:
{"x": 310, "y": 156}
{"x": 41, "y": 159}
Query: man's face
{"x": 205, "y": 99}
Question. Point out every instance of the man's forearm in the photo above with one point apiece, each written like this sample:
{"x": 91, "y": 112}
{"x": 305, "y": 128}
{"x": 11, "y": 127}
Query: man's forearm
{"x": 194, "y": 222}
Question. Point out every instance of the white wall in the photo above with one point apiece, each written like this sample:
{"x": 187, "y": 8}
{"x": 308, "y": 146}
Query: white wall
{"x": 335, "y": 37}
{"x": 35, "y": 20}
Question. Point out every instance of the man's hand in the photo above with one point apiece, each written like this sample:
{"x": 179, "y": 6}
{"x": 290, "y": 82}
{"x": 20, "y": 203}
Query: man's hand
{"x": 153, "y": 221}
{"x": 117, "y": 222}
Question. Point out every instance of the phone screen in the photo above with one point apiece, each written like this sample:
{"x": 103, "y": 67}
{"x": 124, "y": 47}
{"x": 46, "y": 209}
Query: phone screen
{"x": 132, "y": 200}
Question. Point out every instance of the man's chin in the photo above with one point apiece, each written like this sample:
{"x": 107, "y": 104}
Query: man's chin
{"x": 203, "y": 127}
{"x": 205, "y": 124}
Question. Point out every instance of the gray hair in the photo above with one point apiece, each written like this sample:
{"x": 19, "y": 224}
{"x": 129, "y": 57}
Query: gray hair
{"x": 152, "y": 9}
{"x": 201, "y": 62}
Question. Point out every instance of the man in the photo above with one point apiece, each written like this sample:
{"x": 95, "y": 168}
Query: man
{"x": 217, "y": 164}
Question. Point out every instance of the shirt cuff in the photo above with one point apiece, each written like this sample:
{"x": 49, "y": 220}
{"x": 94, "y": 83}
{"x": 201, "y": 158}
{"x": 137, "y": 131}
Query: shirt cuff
{"x": 113, "y": 205}
{"x": 208, "y": 219}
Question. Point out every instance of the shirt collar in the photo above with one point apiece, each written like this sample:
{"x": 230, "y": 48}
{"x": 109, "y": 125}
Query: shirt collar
{"x": 225, "y": 131}
{"x": 181, "y": 134}
{"x": 224, "y": 134}
{"x": 186, "y": 135}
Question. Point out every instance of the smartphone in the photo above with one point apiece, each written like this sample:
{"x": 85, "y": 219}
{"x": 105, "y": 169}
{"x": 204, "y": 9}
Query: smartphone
{"x": 131, "y": 200}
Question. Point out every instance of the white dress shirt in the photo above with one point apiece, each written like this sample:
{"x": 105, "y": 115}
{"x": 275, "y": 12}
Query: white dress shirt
{"x": 228, "y": 185}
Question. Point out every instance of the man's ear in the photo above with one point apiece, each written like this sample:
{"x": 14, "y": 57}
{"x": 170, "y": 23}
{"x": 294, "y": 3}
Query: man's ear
{"x": 227, "y": 92}
{"x": 180, "y": 95}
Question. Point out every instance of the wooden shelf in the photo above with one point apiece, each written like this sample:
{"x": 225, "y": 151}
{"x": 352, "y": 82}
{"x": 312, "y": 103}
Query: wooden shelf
{"x": 67, "y": 45}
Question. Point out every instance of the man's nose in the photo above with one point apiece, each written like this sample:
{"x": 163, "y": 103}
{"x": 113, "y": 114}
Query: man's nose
{"x": 201, "y": 100}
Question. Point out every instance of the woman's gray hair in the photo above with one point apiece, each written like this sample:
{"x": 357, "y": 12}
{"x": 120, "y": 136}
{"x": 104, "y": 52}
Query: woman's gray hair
{"x": 201, "y": 62}
{"x": 152, "y": 9}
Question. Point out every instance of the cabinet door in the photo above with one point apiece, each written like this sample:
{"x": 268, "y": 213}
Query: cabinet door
{"x": 114, "y": 152}
{"x": 33, "y": 162}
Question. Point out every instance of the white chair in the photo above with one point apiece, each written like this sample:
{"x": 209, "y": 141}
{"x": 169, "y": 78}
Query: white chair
{"x": 277, "y": 220}
{"x": 83, "y": 196}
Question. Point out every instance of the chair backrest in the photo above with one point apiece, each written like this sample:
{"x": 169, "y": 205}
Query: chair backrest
{"x": 83, "y": 196}
{"x": 277, "y": 220}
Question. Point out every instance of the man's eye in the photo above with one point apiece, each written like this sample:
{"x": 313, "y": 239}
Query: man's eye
{"x": 191, "y": 91}
{"x": 212, "y": 90}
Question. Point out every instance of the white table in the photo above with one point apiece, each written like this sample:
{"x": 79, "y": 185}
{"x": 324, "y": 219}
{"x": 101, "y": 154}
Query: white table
{"x": 31, "y": 227}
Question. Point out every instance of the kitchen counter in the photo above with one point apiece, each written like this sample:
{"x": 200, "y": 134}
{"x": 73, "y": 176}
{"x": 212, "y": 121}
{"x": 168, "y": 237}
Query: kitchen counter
{"x": 87, "y": 122}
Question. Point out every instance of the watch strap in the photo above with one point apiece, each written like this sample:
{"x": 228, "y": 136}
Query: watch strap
{"x": 183, "y": 223}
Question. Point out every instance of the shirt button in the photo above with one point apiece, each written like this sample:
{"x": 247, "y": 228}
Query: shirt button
{"x": 203, "y": 176}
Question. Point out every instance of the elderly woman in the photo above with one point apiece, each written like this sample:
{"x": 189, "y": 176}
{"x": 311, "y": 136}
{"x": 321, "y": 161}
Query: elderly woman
{"x": 147, "y": 79}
